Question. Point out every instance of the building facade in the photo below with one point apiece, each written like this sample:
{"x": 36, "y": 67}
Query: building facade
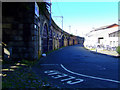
{"x": 103, "y": 37}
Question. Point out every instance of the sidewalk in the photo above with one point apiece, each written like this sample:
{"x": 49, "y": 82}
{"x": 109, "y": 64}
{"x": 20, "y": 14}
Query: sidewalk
{"x": 112, "y": 53}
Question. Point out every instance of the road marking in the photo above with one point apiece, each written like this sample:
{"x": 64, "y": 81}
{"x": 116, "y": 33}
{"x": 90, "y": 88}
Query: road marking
{"x": 71, "y": 77}
{"x": 59, "y": 76}
{"x": 79, "y": 80}
{"x": 68, "y": 79}
{"x": 49, "y": 71}
{"x": 54, "y": 73}
{"x": 89, "y": 76}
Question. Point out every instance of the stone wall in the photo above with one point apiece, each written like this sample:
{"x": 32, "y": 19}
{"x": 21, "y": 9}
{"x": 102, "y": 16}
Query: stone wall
{"x": 20, "y": 30}
{"x": 27, "y": 36}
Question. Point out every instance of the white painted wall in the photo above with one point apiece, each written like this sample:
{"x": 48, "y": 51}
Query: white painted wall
{"x": 92, "y": 38}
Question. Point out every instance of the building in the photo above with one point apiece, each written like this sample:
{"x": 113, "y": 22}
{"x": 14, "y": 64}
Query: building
{"x": 103, "y": 37}
{"x": 114, "y": 38}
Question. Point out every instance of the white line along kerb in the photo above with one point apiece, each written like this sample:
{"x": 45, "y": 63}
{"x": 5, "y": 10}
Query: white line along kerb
{"x": 89, "y": 76}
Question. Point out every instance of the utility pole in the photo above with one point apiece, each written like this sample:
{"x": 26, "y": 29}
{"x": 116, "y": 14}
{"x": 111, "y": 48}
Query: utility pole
{"x": 69, "y": 28}
{"x": 61, "y": 18}
{"x": 50, "y": 14}
{"x": 62, "y": 22}
{"x": 76, "y": 32}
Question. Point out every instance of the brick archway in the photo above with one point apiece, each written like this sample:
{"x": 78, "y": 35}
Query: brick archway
{"x": 50, "y": 40}
{"x": 45, "y": 39}
{"x": 62, "y": 40}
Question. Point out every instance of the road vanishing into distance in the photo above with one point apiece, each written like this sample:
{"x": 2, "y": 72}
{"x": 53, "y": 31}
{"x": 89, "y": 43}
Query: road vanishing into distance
{"x": 76, "y": 67}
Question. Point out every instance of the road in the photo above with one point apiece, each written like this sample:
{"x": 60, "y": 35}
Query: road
{"x": 76, "y": 67}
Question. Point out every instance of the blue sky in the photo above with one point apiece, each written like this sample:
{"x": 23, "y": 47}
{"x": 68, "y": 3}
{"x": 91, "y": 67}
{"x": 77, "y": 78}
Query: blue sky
{"x": 84, "y": 16}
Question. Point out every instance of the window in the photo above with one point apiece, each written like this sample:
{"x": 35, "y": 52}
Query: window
{"x": 113, "y": 43}
{"x": 110, "y": 42}
{"x": 113, "y": 34}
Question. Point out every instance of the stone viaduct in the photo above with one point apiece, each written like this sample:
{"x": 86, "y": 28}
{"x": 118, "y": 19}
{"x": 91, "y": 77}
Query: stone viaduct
{"x": 27, "y": 31}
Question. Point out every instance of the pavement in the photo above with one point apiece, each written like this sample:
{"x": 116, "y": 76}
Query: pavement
{"x": 112, "y": 53}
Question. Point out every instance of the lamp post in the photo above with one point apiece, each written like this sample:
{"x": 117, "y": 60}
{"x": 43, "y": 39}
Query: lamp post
{"x": 70, "y": 29}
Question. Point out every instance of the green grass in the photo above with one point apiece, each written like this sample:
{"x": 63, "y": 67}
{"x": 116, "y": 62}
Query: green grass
{"x": 23, "y": 78}
{"x": 118, "y": 50}
{"x": 92, "y": 49}
{"x": 54, "y": 50}
{"x": 104, "y": 50}
{"x": 29, "y": 63}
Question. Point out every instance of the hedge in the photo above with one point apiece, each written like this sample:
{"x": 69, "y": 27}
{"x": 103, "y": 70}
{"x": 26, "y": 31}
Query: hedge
{"x": 118, "y": 49}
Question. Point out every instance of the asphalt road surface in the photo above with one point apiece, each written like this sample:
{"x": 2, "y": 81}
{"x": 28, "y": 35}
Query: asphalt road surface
{"x": 76, "y": 67}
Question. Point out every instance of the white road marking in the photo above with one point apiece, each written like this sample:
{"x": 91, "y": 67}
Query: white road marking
{"x": 69, "y": 79}
{"x": 54, "y": 73}
{"x": 89, "y": 76}
{"x": 59, "y": 76}
{"x": 78, "y": 81}
{"x": 50, "y": 71}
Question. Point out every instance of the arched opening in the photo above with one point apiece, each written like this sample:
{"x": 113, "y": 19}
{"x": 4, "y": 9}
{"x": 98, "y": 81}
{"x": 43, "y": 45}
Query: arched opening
{"x": 45, "y": 39}
{"x": 73, "y": 42}
{"x": 54, "y": 39}
{"x": 50, "y": 40}
{"x": 62, "y": 40}
{"x": 68, "y": 41}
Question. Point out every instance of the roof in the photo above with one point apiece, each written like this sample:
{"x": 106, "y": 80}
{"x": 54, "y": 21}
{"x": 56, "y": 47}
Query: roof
{"x": 115, "y": 32}
{"x": 105, "y": 27}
